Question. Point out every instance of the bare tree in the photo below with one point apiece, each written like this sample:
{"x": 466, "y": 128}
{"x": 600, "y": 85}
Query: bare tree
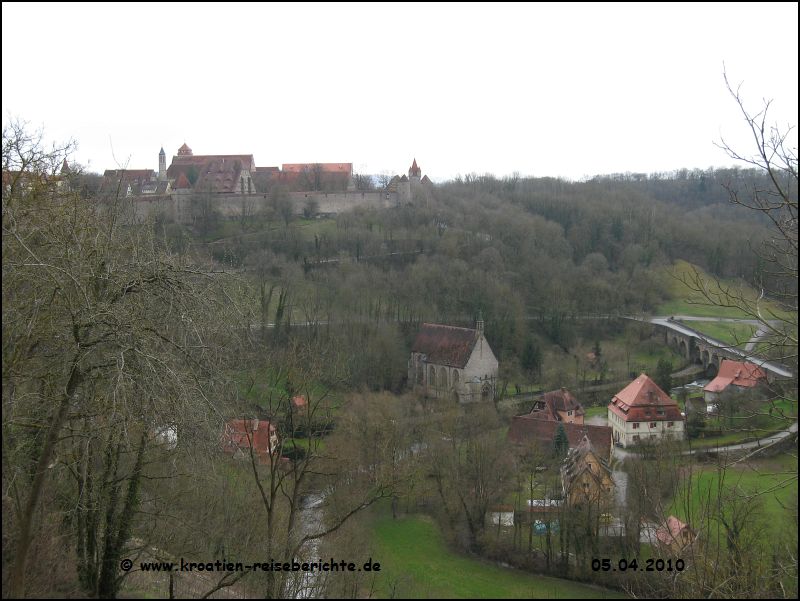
{"x": 777, "y": 203}
{"x": 107, "y": 339}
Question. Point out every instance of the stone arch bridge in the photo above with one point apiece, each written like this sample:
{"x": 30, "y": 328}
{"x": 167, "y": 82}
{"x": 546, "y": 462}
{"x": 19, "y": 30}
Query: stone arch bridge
{"x": 701, "y": 349}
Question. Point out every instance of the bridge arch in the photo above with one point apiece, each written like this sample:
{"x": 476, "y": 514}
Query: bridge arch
{"x": 683, "y": 350}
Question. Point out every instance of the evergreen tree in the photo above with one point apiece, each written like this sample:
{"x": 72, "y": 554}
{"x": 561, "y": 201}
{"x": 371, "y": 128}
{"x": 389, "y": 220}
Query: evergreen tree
{"x": 664, "y": 375}
{"x": 560, "y": 441}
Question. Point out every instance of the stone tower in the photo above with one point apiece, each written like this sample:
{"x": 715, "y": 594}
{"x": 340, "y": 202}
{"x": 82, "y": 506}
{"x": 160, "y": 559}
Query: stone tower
{"x": 162, "y": 165}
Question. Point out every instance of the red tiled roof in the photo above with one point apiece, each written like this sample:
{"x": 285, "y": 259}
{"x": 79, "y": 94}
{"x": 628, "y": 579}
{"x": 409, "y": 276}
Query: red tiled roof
{"x": 184, "y": 150}
{"x": 240, "y": 433}
{"x": 445, "y": 345}
{"x": 182, "y": 183}
{"x": 414, "y": 170}
{"x": 346, "y": 168}
{"x": 673, "y": 531}
{"x": 738, "y": 373}
{"x": 526, "y": 429}
{"x": 559, "y": 400}
{"x": 642, "y": 400}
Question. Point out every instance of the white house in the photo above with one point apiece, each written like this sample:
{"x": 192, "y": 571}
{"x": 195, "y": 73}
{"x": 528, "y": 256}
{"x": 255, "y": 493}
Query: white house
{"x": 642, "y": 412}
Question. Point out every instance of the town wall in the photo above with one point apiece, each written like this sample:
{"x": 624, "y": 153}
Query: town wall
{"x": 177, "y": 206}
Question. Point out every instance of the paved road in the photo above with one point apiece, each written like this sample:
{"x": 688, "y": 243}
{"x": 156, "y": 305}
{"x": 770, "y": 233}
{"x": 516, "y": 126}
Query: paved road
{"x": 622, "y": 454}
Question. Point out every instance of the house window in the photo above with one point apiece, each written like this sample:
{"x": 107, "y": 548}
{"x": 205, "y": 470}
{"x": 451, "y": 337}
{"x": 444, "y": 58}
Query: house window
{"x": 670, "y": 424}
{"x": 652, "y": 424}
{"x": 569, "y": 412}
{"x": 635, "y": 425}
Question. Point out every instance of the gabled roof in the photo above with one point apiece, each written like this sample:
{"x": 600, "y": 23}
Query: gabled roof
{"x": 738, "y": 373}
{"x": 241, "y": 433}
{"x": 343, "y": 168}
{"x": 182, "y": 183}
{"x": 526, "y": 429}
{"x": 555, "y": 401}
{"x": 642, "y": 400}
{"x": 673, "y": 532}
{"x": 445, "y": 345}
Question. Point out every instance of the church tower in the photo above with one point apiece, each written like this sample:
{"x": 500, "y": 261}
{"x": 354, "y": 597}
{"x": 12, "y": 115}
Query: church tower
{"x": 414, "y": 172}
{"x": 162, "y": 165}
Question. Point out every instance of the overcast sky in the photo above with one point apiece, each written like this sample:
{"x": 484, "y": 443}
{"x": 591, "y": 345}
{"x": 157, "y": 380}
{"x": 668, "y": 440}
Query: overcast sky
{"x": 543, "y": 90}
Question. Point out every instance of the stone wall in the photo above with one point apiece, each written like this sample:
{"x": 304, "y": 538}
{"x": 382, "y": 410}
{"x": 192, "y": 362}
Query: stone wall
{"x": 177, "y": 206}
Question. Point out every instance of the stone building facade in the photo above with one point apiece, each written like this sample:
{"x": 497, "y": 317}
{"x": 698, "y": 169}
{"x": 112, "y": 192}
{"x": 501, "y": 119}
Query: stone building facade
{"x": 453, "y": 363}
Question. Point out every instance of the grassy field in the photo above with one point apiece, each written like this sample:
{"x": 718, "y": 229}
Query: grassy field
{"x": 734, "y": 334}
{"x": 686, "y": 301}
{"x": 416, "y": 560}
{"x": 775, "y": 478}
{"x": 601, "y": 411}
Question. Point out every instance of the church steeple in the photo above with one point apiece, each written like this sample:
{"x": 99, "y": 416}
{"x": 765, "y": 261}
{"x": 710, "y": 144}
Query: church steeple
{"x": 162, "y": 165}
{"x": 414, "y": 172}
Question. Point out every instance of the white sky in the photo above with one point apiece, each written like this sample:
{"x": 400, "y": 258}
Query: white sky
{"x": 545, "y": 90}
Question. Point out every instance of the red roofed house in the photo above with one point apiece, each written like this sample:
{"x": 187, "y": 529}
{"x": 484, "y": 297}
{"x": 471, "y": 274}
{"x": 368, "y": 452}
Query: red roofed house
{"x": 559, "y": 406}
{"x": 453, "y": 363}
{"x": 643, "y": 412}
{"x": 737, "y": 376}
{"x": 675, "y": 535}
{"x": 536, "y": 429}
{"x": 240, "y": 434}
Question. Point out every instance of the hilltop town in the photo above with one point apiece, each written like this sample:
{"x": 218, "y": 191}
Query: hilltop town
{"x": 330, "y": 187}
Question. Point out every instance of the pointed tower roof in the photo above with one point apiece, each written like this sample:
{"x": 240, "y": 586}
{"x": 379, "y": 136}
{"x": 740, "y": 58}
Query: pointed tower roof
{"x": 184, "y": 150}
{"x": 162, "y": 153}
{"x": 414, "y": 170}
{"x": 65, "y": 168}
